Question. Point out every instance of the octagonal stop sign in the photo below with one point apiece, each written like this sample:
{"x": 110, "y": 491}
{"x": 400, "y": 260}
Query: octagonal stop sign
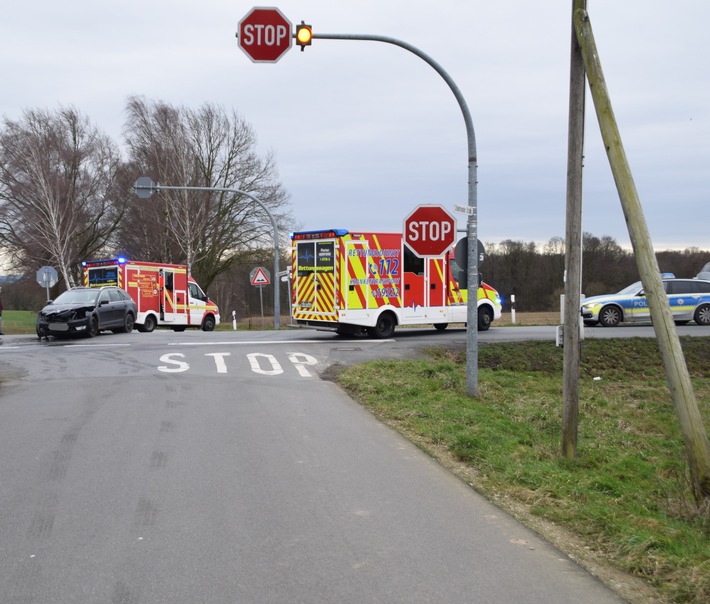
{"x": 264, "y": 34}
{"x": 429, "y": 230}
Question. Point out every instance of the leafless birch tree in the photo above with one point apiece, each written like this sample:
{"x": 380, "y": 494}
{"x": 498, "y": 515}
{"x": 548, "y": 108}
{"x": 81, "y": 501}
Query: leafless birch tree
{"x": 59, "y": 198}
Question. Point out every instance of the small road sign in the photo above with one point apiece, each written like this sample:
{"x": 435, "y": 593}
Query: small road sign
{"x": 47, "y": 276}
{"x": 264, "y": 34}
{"x": 429, "y": 230}
{"x": 260, "y": 276}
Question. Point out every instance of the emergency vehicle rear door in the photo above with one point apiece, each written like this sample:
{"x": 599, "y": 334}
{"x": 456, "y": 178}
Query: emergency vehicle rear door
{"x": 315, "y": 280}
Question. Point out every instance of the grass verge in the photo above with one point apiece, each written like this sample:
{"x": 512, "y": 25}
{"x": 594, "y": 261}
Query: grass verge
{"x": 625, "y": 503}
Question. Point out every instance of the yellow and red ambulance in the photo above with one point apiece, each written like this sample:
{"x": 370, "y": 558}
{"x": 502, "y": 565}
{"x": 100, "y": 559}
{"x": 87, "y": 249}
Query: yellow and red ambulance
{"x": 355, "y": 282}
{"x": 165, "y": 294}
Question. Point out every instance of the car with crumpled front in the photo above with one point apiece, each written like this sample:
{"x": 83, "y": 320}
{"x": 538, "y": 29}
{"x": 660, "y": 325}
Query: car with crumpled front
{"x": 689, "y": 300}
{"x": 87, "y": 311}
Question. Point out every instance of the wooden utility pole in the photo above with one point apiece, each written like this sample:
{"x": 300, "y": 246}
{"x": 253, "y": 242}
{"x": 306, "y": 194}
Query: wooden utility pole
{"x": 696, "y": 441}
{"x": 573, "y": 246}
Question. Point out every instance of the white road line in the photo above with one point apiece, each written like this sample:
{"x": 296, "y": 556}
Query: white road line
{"x": 270, "y": 342}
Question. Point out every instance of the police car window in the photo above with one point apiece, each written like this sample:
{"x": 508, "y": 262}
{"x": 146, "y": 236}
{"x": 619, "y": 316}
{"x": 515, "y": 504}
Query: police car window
{"x": 680, "y": 287}
{"x": 702, "y": 287}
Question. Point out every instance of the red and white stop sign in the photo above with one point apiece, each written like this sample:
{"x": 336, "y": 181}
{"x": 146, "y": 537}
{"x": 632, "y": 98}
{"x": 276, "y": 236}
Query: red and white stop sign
{"x": 429, "y": 230}
{"x": 264, "y": 34}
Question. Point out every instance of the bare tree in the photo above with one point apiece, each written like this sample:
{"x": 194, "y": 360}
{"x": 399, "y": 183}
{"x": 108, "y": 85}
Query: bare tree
{"x": 199, "y": 148}
{"x": 59, "y": 197}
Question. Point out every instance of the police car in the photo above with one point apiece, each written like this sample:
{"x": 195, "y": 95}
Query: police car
{"x": 689, "y": 300}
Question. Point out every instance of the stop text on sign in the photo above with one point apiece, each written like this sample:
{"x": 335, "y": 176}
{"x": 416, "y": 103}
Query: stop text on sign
{"x": 265, "y": 35}
{"x": 426, "y": 231}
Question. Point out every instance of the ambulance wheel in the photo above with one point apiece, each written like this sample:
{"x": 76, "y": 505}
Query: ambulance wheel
{"x": 208, "y": 323}
{"x": 702, "y": 314}
{"x": 485, "y": 318}
{"x": 441, "y": 326}
{"x": 384, "y": 328}
{"x": 149, "y": 324}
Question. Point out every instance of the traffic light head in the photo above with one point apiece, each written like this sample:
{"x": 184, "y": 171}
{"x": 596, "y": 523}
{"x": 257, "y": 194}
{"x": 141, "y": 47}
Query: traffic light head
{"x": 304, "y": 34}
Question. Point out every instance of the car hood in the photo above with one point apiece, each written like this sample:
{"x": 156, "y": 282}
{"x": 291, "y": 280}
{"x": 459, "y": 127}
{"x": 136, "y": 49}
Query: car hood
{"x": 64, "y": 310}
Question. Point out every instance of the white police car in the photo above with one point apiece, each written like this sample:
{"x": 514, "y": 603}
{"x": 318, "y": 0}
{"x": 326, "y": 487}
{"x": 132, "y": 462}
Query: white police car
{"x": 689, "y": 300}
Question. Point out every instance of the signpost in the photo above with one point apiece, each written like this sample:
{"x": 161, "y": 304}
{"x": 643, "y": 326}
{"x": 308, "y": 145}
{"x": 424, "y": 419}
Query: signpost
{"x": 264, "y": 34}
{"x": 47, "y": 277}
{"x": 429, "y": 230}
{"x": 259, "y": 277}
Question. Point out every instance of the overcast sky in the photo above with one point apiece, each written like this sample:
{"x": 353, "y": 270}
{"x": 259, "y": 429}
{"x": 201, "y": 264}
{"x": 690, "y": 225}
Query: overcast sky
{"x": 364, "y": 131}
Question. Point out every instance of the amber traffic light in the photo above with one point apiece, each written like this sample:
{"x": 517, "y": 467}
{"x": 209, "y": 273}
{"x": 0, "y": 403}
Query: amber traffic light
{"x": 304, "y": 34}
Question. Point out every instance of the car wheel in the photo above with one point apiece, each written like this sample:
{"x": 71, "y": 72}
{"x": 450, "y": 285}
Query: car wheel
{"x": 94, "y": 326}
{"x": 702, "y": 314}
{"x": 485, "y": 318}
{"x": 441, "y": 326}
{"x": 610, "y": 316}
{"x": 208, "y": 323}
{"x": 128, "y": 323}
{"x": 150, "y": 324}
{"x": 384, "y": 328}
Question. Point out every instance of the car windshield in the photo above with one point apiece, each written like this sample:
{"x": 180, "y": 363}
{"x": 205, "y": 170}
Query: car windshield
{"x": 76, "y": 296}
{"x": 630, "y": 289}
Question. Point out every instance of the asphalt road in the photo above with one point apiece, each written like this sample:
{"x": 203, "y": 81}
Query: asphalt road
{"x": 220, "y": 468}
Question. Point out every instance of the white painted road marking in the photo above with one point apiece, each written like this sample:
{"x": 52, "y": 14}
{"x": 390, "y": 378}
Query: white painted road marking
{"x": 259, "y": 362}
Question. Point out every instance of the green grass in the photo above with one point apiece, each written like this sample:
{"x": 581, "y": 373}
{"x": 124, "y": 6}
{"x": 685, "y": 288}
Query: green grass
{"x": 18, "y": 321}
{"x": 627, "y": 495}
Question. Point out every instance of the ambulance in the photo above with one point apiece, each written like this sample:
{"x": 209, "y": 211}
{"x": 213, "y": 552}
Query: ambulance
{"x": 372, "y": 282}
{"x": 165, "y": 294}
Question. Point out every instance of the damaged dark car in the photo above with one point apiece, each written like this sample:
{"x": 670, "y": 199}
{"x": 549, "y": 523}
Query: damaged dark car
{"x": 87, "y": 311}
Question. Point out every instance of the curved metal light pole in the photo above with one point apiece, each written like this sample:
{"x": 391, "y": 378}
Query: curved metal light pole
{"x": 472, "y": 225}
{"x": 145, "y": 187}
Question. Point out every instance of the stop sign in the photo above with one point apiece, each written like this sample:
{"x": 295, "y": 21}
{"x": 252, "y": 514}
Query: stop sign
{"x": 429, "y": 230}
{"x": 264, "y": 34}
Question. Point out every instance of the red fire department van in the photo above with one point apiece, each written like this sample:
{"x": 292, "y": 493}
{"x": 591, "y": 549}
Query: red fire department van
{"x": 352, "y": 282}
{"x": 165, "y": 294}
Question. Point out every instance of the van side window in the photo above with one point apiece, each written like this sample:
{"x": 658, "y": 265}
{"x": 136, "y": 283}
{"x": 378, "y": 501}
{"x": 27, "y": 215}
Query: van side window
{"x": 412, "y": 262}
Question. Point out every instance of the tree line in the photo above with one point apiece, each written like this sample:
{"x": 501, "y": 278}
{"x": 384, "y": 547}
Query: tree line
{"x": 535, "y": 274}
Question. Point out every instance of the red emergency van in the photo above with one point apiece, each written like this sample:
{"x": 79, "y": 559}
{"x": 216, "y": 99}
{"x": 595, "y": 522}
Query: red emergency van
{"x": 165, "y": 294}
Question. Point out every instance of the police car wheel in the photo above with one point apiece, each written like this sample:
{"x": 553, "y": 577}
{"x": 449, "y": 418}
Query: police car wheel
{"x": 441, "y": 326}
{"x": 610, "y": 316}
{"x": 702, "y": 314}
